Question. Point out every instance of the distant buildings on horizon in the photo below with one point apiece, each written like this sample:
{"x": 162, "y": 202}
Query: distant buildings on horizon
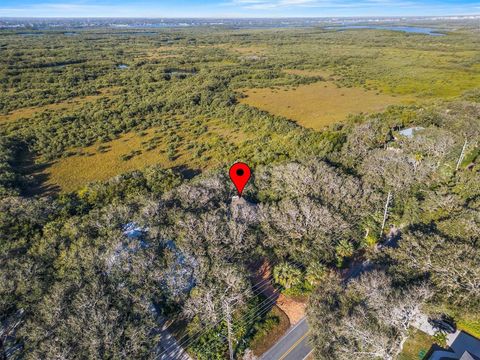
{"x": 79, "y": 23}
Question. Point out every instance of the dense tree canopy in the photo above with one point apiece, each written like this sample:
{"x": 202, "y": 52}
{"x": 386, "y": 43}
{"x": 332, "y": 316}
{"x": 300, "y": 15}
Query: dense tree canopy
{"x": 93, "y": 273}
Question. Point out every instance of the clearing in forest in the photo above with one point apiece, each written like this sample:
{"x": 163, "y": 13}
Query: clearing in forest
{"x": 319, "y": 104}
{"x": 251, "y": 50}
{"x": 184, "y": 148}
{"x": 28, "y": 112}
{"x": 326, "y": 74}
{"x": 103, "y": 161}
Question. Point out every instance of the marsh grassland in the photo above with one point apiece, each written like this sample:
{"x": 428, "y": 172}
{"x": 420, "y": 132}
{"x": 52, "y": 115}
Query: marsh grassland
{"x": 262, "y": 96}
{"x": 320, "y": 104}
{"x": 137, "y": 150}
{"x": 116, "y": 206}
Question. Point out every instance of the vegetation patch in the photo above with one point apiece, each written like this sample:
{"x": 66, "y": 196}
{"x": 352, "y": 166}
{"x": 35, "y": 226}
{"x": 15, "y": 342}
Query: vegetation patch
{"x": 116, "y": 254}
{"x": 319, "y": 104}
{"x": 192, "y": 146}
{"x": 103, "y": 161}
{"x": 251, "y": 50}
{"x": 417, "y": 346}
{"x": 470, "y": 323}
{"x": 67, "y": 105}
{"x": 270, "y": 331}
{"x": 326, "y": 74}
{"x": 427, "y": 74}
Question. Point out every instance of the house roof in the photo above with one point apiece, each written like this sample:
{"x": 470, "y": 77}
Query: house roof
{"x": 463, "y": 347}
{"x": 466, "y": 343}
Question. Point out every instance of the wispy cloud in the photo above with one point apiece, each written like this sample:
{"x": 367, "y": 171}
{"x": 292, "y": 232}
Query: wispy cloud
{"x": 234, "y": 8}
{"x": 339, "y": 4}
{"x": 80, "y": 9}
{"x": 269, "y": 4}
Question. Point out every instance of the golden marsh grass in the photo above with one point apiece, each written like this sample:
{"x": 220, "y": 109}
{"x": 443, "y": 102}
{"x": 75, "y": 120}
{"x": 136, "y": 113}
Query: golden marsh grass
{"x": 319, "y": 104}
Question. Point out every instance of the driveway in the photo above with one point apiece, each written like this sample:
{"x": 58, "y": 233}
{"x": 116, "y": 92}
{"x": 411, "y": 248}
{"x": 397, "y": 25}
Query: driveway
{"x": 421, "y": 323}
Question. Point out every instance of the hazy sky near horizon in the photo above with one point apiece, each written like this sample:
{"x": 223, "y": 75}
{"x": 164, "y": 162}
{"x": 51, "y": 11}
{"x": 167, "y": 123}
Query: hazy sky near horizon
{"x": 235, "y": 8}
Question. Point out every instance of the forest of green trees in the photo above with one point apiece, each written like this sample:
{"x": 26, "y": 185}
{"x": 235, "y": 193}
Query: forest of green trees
{"x": 74, "y": 283}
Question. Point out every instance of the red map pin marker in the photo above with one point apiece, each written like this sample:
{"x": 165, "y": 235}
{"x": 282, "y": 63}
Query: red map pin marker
{"x": 240, "y": 174}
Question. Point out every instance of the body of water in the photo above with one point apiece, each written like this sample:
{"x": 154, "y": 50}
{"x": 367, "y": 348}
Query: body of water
{"x": 31, "y": 34}
{"x": 408, "y": 29}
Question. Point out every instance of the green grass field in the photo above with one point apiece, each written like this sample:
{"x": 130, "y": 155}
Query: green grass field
{"x": 137, "y": 150}
{"x": 319, "y": 104}
{"x": 416, "y": 346}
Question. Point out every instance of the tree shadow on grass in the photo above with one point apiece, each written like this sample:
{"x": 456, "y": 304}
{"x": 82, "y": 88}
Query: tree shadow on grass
{"x": 186, "y": 172}
{"x": 35, "y": 177}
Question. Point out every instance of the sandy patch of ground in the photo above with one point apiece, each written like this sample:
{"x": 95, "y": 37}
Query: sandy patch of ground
{"x": 294, "y": 309}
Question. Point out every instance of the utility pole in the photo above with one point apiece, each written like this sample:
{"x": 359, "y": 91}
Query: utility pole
{"x": 228, "y": 318}
{"x": 385, "y": 213}
{"x": 462, "y": 155}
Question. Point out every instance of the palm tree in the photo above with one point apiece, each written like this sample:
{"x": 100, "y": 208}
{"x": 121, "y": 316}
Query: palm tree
{"x": 315, "y": 273}
{"x": 344, "y": 250}
{"x": 287, "y": 275}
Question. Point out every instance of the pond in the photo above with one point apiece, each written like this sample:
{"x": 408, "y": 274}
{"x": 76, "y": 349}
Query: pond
{"x": 410, "y": 132}
{"x": 31, "y": 34}
{"x": 408, "y": 29}
{"x": 122, "y": 66}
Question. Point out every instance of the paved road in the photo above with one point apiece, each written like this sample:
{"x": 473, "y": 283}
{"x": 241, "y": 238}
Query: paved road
{"x": 168, "y": 347}
{"x": 292, "y": 346}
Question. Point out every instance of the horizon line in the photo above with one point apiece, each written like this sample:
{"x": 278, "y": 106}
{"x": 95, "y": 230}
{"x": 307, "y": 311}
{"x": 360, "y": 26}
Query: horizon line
{"x": 242, "y": 17}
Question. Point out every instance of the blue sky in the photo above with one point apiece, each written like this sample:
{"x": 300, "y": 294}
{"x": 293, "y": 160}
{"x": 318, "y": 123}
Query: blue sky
{"x": 235, "y": 8}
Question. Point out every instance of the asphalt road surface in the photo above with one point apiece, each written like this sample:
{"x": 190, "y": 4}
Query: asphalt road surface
{"x": 292, "y": 346}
